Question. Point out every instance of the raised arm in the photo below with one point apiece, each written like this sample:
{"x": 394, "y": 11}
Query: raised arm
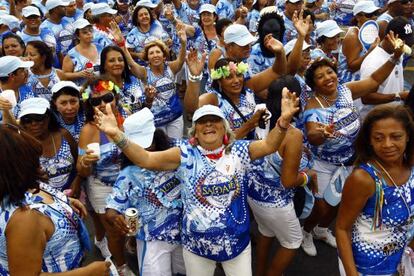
{"x": 371, "y": 84}
{"x": 177, "y": 64}
{"x": 261, "y": 148}
{"x": 302, "y": 26}
{"x": 262, "y": 80}
{"x": 359, "y": 186}
{"x": 161, "y": 161}
{"x": 195, "y": 67}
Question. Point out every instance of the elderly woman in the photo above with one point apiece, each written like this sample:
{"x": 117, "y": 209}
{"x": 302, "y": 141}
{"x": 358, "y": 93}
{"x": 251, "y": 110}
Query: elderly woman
{"x": 375, "y": 217}
{"x": 215, "y": 225}
{"x": 103, "y": 15}
{"x": 146, "y": 28}
{"x": 42, "y": 76}
{"x": 82, "y": 60}
{"x": 40, "y": 230}
{"x": 332, "y": 124}
{"x": 234, "y": 93}
{"x": 353, "y": 53}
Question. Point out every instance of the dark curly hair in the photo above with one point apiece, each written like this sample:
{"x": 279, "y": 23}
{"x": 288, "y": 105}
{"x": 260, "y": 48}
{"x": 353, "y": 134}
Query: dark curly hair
{"x": 270, "y": 21}
{"x": 310, "y": 72}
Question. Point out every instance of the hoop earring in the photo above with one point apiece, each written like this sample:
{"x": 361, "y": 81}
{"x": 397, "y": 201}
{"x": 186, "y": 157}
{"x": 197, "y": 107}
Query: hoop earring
{"x": 226, "y": 140}
{"x": 193, "y": 141}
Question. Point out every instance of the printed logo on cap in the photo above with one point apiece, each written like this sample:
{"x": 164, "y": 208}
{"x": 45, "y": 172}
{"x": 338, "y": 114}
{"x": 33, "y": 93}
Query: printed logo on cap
{"x": 407, "y": 29}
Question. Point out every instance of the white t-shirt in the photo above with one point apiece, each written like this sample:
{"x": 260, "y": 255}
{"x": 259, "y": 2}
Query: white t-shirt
{"x": 393, "y": 84}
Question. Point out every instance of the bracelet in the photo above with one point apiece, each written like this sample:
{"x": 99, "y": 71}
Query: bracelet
{"x": 193, "y": 78}
{"x": 397, "y": 97}
{"x": 305, "y": 179}
{"x": 283, "y": 129}
{"x": 122, "y": 142}
{"x": 394, "y": 60}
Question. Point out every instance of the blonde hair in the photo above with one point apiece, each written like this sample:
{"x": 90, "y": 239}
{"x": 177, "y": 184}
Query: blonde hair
{"x": 158, "y": 43}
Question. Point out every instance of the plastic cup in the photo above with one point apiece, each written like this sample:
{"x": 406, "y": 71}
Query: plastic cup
{"x": 96, "y": 149}
{"x": 10, "y": 96}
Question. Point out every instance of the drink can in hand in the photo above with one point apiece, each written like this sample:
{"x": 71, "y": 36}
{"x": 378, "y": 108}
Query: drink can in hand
{"x": 131, "y": 217}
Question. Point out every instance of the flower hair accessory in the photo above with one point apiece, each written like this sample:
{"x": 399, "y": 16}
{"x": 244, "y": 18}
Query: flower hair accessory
{"x": 224, "y": 71}
{"x": 100, "y": 86}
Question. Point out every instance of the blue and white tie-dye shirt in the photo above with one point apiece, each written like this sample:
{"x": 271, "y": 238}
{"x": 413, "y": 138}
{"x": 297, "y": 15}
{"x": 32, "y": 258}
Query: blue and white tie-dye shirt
{"x": 63, "y": 33}
{"x": 257, "y": 61}
{"x": 37, "y": 87}
{"x": 379, "y": 251}
{"x": 345, "y": 118}
{"x": 136, "y": 39}
{"x": 225, "y": 9}
{"x": 265, "y": 186}
{"x": 79, "y": 62}
{"x": 290, "y": 30}
{"x": 215, "y": 215}
{"x": 45, "y": 35}
{"x": 156, "y": 195}
{"x": 63, "y": 250}
{"x": 343, "y": 14}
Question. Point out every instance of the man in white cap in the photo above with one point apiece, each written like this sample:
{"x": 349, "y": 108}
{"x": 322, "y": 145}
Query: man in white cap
{"x": 238, "y": 42}
{"x": 13, "y": 76}
{"x": 394, "y": 8}
{"x": 71, "y": 12}
{"x": 60, "y": 27}
{"x": 32, "y": 32}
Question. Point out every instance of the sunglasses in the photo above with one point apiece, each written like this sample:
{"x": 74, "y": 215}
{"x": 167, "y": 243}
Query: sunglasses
{"x": 370, "y": 15}
{"x": 107, "y": 98}
{"x": 406, "y": 1}
{"x": 28, "y": 119}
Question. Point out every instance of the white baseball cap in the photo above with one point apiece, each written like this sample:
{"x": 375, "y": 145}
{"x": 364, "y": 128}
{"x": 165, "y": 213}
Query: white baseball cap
{"x": 51, "y": 4}
{"x": 10, "y": 21}
{"x": 33, "y": 106}
{"x": 146, "y": 3}
{"x": 208, "y": 109}
{"x": 63, "y": 84}
{"x": 293, "y": 1}
{"x": 30, "y": 10}
{"x": 365, "y": 7}
{"x": 328, "y": 28}
{"x": 291, "y": 44}
{"x": 208, "y": 8}
{"x": 238, "y": 34}
{"x": 9, "y": 64}
{"x": 139, "y": 127}
{"x": 88, "y": 6}
{"x": 81, "y": 23}
{"x": 101, "y": 8}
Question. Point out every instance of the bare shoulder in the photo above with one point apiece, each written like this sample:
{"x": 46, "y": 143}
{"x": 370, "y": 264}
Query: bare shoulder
{"x": 312, "y": 103}
{"x": 360, "y": 182}
{"x": 208, "y": 98}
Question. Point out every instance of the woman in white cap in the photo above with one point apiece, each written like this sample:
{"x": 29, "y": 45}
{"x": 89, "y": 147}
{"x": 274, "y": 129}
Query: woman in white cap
{"x": 146, "y": 28}
{"x": 157, "y": 197}
{"x": 82, "y": 60}
{"x": 213, "y": 169}
{"x": 60, "y": 153}
{"x": 332, "y": 124}
{"x": 42, "y": 75}
{"x": 327, "y": 37}
{"x": 352, "y": 52}
{"x": 103, "y": 15}
{"x": 42, "y": 230}
{"x": 99, "y": 162}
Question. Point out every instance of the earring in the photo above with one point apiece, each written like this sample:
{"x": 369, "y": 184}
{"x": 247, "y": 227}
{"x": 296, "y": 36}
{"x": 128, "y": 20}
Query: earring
{"x": 193, "y": 141}
{"x": 226, "y": 140}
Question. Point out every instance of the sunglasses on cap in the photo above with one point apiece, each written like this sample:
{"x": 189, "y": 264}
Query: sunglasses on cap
{"x": 107, "y": 98}
{"x": 28, "y": 119}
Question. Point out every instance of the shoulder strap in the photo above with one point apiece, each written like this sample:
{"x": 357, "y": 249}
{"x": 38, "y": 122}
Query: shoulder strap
{"x": 233, "y": 105}
{"x": 317, "y": 99}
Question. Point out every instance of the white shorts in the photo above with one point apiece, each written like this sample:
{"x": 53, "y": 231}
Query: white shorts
{"x": 238, "y": 266}
{"x": 281, "y": 223}
{"x": 97, "y": 193}
{"x": 324, "y": 171}
{"x": 159, "y": 258}
{"x": 174, "y": 129}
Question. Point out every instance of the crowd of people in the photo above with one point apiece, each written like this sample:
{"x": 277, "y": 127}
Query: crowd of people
{"x": 299, "y": 116}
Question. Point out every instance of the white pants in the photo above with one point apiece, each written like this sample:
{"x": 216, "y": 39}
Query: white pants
{"x": 200, "y": 266}
{"x": 174, "y": 129}
{"x": 158, "y": 258}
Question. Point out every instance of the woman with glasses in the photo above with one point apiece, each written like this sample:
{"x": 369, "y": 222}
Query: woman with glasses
{"x": 353, "y": 53}
{"x": 82, "y": 60}
{"x": 101, "y": 168}
{"x": 42, "y": 76}
{"x": 59, "y": 154}
{"x": 375, "y": 219}
{"x": 41, "y": 227}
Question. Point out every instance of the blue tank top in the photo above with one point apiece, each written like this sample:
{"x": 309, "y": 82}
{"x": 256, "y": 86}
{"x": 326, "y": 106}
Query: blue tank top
{"x": 63, "y": 250}
{"x": 108, "y": 166}
{"x": 79, "y": 62}
{"x": 37, "y": 87}
{"x": 60, "y": 168}
{"x": 166, "y": 106}
{"x": 379, "y": 251}
{"x": 75, "y": 128}
{"x": 132, "y": 96}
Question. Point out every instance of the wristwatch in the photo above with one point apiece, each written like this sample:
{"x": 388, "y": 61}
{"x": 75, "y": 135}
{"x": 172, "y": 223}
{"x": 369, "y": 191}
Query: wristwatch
{"x": 397, "y": 97}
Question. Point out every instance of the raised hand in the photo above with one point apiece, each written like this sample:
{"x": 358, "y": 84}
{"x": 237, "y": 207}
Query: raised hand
{"x": 328, "y": 131}
{"x": 397, "y": 43}
{"x": 272, "y": 44}
{"x": 290, "y": 105}
{"x": 194, "y": 63}
{"x": 301, "y": 25}
{"x": 5, "y": 104}
{"x": 106, "y": 122}
{"x": 116, "y": 32}
{"x": 181, "y": 32}
{"x": 150, "y": 93}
